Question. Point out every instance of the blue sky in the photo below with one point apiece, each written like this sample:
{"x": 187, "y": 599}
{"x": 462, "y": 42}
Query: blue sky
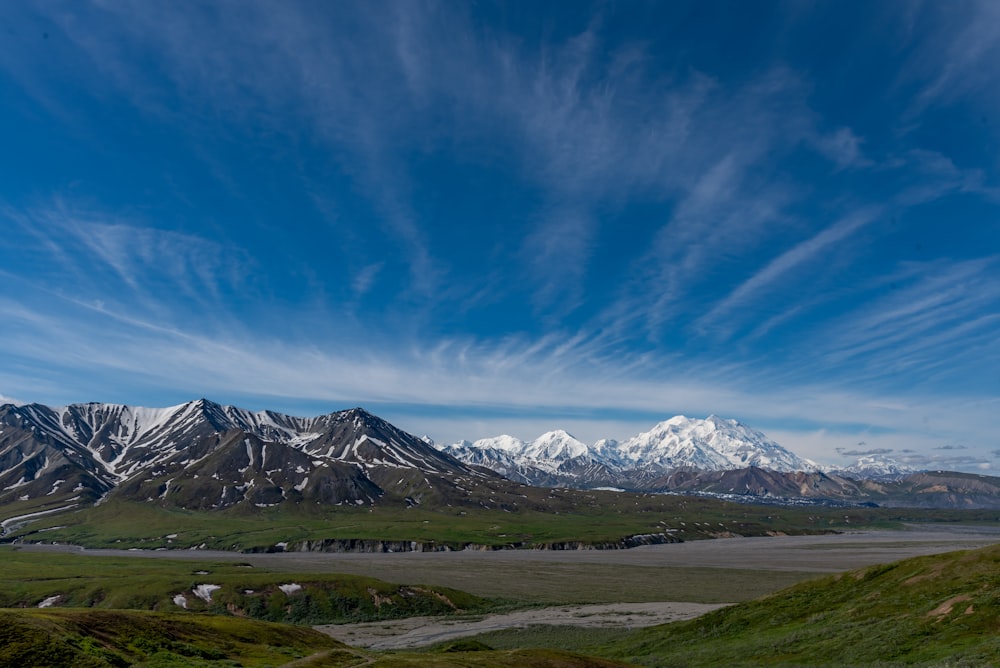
{"x": 482, "y": 218}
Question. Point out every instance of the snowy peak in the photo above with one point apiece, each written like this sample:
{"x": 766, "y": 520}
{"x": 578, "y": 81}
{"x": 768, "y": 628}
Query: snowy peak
{"x": 555, "y": 445}
{"x": 876, "y": 466}
{"x": 125, "y": 439}
{"x": 712, "y": 444}
{"x": 503, "y": 443}
{"x": 556, "y": 457}
{"x": 547, "y": 460}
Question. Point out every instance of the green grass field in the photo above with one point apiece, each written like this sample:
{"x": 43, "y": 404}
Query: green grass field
{"x": 121, "y": 583}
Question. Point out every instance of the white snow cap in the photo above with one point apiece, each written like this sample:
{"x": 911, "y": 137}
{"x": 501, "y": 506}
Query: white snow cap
{"x": 712, "y": 444}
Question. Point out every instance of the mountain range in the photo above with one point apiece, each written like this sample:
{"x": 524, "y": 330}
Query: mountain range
{"x": 201, "y": 455}
{"x": 557, "y": 458}
{"x": 204, "y": 456}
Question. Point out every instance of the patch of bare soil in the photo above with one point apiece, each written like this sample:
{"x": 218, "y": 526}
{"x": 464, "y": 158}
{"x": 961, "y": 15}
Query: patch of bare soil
{"x": 421, "y": 631}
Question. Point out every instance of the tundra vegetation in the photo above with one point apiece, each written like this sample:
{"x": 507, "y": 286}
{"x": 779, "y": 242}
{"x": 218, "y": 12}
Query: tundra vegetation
{"x": 30, "y": 579}
{"x": 936, "y": 610}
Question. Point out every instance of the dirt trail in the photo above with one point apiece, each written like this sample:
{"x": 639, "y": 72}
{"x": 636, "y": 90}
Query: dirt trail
{"x": 420, "y": 631}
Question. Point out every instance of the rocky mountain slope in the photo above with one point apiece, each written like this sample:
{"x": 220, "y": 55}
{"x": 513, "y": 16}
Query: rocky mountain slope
{"x": 201, "y": 455}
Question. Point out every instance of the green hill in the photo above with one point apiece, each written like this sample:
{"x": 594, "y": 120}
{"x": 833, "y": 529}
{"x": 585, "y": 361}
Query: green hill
{"x": 937, "y": 610}
{"x": 30, "y": 579}
{"x": 109, "y": 639}
{"x": 98, "y": 638}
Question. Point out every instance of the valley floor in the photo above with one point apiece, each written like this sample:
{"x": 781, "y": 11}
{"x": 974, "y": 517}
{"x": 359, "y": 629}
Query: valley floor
{"x": 724, "y": 570}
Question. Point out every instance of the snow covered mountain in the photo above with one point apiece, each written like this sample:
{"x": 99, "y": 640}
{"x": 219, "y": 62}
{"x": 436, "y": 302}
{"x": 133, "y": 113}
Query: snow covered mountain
{"x": 552, "y": 459}
{"x": 557, "y": 458}
{"x": 204, "y": 455}
{"x": 876, "y": 467}
{"x": 712, "y": 444}
{"x": 721, "y": 458}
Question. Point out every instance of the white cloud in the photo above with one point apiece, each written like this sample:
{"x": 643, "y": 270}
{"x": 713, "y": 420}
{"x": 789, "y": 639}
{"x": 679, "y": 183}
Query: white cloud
{"x": 91, "y": 255}
{"x": 4, "y": 399}
{"x": 364, "y": 279}
{"x": 955, "y": 59}
{"x": 843, "y": 147}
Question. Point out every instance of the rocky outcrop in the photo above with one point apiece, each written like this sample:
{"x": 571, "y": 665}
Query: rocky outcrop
{"x": 367, "y": 546}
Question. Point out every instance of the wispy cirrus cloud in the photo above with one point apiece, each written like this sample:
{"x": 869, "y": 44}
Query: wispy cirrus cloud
{"x": 588, "y": 131}
{"x": 931, "y": 175}
{"x": 779, "y": 268}
{"x": 268, "y": 73}
{"x": 103, "y": 257}
{"x": 732, "y": 200}
{"x": 4, "y": 399}
{"x": 862, "y": 453}
{"x": 844, "y": 147}
{"x": 954, "y": 59}
{"x": 935, "y": 317}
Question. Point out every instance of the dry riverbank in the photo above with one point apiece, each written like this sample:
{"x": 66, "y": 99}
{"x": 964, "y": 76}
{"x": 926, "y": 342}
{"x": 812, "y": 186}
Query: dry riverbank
{"x": 422, "y": 631}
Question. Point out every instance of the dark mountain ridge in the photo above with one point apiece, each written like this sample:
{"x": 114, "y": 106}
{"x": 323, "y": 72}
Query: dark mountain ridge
{"x": 202, "y": 455}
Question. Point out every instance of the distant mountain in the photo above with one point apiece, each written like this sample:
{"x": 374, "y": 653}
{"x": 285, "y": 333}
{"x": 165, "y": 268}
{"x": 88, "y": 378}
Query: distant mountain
{"x": 935, "y": 489}
{"x": 553, "y": 459}
{"x": 876, "y": 467}
{"x": 757, "y": 483}
{"x": 202, "y": 455}
{"x": 712, "y": 444}
{"x": 722, "y": 458}
{"x": 556, "y": 458}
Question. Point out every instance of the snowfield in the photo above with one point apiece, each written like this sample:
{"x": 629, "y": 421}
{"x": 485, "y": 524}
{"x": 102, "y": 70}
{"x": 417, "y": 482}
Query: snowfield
{"x": 204, "y": 591}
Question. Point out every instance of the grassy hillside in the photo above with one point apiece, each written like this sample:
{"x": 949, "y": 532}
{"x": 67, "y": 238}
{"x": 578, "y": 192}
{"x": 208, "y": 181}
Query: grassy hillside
{"x": 98, "y": 638}
{"x": 111, "y": 639}
{"x": 74, "y": 581}
{"x": 938, "y": 610}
